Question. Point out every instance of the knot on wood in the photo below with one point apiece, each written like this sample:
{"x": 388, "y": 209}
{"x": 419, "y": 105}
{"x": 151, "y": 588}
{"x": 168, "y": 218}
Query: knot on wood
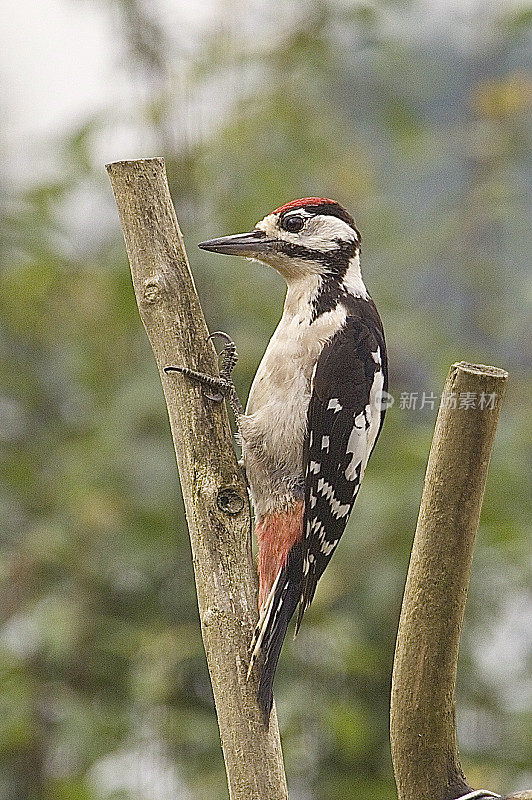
{"x": 153, "y": 289}
{"x": 229, "y": 501}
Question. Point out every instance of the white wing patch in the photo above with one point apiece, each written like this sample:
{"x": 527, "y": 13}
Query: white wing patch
{"x": 375, "y": 407}
{"x": 334, "y": 405}
{"x": 365, "y": 427}
{"x": 357, "y": 444}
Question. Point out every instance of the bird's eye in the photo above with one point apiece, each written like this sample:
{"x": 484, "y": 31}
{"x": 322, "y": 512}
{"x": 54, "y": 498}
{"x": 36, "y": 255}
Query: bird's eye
{"x": 293, "y": 224}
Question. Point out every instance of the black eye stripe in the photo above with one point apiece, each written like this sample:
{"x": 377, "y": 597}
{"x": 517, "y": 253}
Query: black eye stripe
{"x": 335, "y": 261}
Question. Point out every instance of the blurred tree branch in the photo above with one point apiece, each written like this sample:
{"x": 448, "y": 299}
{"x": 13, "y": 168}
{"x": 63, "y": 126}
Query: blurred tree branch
{"x": 214, "y": 491}
{"x": 422, "y": 715}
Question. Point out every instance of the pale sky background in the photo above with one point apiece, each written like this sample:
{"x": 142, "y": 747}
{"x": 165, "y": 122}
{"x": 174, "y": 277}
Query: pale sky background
{"x": 60, "y": 63}
{"x": 60, "y": 60}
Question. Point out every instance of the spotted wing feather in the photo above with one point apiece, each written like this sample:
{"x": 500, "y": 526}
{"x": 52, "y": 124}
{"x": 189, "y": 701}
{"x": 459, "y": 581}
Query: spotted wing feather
{"x": 344, "y": 421}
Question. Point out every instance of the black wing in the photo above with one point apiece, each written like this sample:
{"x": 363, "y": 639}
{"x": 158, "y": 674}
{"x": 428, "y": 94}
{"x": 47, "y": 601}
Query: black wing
{"x": 345, "y": 416}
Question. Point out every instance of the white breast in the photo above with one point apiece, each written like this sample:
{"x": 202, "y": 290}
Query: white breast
{"x": 274, "y": 426}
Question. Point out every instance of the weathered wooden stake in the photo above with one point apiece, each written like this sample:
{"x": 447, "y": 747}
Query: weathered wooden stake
{"x": 422, "y": 715}
{"x": 214, "y": 491}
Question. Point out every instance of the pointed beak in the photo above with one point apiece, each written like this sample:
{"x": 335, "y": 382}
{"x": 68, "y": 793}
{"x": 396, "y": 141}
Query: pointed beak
{"x": 253, "y": 244}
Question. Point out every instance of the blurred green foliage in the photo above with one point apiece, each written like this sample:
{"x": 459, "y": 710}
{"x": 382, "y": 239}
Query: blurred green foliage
{"x": 418, "y": 130}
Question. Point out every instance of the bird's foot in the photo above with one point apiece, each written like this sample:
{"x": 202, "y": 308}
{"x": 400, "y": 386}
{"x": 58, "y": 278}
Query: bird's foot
{"x": 213, "y": 388}
{"x": 228, "y": 355}
{"x": 222, "y": 387}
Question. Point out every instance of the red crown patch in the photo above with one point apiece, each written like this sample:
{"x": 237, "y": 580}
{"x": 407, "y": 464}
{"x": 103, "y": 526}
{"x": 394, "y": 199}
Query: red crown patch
{"x": 304, "y": 201}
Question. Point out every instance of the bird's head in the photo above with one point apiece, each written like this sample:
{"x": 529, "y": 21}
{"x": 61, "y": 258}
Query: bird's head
{"x": 310, "y": 236}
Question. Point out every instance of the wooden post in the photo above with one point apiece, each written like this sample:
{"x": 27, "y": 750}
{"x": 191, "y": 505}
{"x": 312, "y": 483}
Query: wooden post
{"x": 214, "y": 492}
{"x": 422, "y": 715}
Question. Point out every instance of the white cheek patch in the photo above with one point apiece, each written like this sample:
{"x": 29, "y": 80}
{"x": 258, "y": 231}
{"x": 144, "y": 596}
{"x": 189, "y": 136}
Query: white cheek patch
{"x": 322, "y": 232}
{"x": 292, "y": 267}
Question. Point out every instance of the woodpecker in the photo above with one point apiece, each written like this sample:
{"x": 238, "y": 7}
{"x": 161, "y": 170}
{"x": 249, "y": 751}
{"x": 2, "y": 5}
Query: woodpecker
{"x": 314, "y": 412}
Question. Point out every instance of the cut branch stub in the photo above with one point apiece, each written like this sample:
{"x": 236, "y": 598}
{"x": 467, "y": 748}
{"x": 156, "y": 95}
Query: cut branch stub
{"x": 422, "y": 715}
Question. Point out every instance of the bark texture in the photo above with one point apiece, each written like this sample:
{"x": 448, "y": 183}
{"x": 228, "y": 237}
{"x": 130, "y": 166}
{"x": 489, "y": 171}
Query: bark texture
{"x": 422, "y": 717}
{"x": 213, "y": 487}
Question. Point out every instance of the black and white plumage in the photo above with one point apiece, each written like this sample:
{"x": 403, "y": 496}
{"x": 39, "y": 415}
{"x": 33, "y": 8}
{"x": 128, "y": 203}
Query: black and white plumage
{"x": 314, "y": 412}
{"x": 345, "y": 416}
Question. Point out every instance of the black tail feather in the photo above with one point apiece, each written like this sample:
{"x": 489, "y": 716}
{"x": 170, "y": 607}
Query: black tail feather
{"x": 308, "y": 589}
{"x": 284, "y": 604}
